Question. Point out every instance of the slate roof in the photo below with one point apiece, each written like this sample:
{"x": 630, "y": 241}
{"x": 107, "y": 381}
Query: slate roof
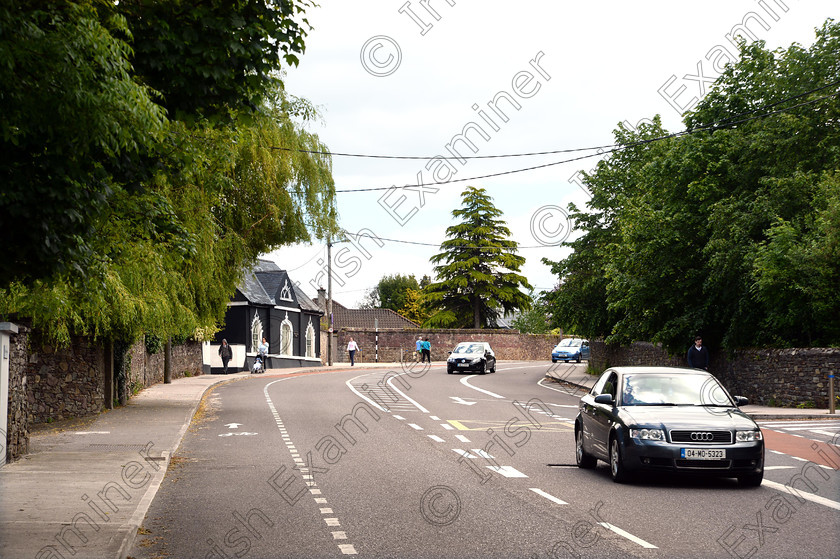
{"x": 262, "y": 285}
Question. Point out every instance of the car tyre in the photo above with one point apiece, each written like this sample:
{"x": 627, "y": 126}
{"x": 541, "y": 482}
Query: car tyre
{"x": 751, "y": 480}
{"x": 583, "y": 459}
{"x": 617, "y": 469}
{"x": 578, "y": 359}
{"x": 483, "y": 369}
{"x": 448, "y": 370}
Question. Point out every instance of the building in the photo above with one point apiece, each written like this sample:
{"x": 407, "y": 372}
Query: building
{"x": 268, "y": 304}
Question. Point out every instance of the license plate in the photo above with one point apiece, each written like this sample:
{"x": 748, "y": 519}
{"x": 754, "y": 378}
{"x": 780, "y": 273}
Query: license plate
{"x": 463, "y": 364}
{"x": 703, "y": 453}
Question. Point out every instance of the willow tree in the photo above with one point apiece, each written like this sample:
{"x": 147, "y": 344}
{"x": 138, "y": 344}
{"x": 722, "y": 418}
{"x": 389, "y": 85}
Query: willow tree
{"x": 171, "y": 258}
{"x": 478, "y": 268}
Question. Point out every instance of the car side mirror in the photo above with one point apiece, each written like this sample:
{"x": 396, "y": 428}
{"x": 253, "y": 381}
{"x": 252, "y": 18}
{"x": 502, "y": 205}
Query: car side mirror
{"x": 450, "y": 353}
{"x": 604, "y": 399}
{"x": 741, "y": 401}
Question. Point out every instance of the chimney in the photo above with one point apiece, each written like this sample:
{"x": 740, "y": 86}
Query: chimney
{"x": 322, "y": 299}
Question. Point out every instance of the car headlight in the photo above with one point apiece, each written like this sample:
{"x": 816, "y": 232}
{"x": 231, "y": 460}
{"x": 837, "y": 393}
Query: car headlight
{"x": 450, "y": 360}
{"x": 475, "y": 360}
{"x": 648, "y": 434}
{"x": 748, "y": 436}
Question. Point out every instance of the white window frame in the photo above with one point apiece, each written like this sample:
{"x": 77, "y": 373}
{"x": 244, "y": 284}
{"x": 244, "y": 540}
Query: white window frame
{"x": 286, "y": 341}
{"x": 310, "y": 339}
{"x": 257, "y": 333}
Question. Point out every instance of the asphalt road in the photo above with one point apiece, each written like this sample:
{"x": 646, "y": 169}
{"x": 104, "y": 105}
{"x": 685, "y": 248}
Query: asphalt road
{"x": 424, "y": 464}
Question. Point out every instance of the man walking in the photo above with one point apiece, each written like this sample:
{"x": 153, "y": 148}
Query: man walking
{"x": 698, "y": 355}
{"x": 426, "y": 349}
{"x": 419, "y": 347}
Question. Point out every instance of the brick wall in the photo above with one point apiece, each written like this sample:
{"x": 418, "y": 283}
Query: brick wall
{"x": 778, "y": 377}
{"x": 507, "y": 344}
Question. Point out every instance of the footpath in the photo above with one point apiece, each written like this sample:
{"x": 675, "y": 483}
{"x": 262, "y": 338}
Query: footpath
{"x": 86, "y": 485}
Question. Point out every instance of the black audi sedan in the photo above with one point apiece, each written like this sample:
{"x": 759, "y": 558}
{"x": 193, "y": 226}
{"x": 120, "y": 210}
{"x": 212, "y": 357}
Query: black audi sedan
{"x": 477, "y": 357}
{"x": 667, "y": 418}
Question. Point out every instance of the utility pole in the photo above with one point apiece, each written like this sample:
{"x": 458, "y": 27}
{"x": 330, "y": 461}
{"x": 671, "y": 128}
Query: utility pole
{"x": 167, "y": 361}
{"x": 329, "y": 304}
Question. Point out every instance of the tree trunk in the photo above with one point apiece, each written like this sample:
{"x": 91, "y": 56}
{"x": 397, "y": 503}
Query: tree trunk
{"x": 476, "y": 313}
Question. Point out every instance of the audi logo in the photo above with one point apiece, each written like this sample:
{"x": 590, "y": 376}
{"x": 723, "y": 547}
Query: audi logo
{"x": 701, "y": 436}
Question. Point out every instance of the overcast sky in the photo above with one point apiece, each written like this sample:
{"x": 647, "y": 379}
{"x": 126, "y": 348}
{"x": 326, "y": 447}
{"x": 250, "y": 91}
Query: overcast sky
{"x": 409, "y": 78}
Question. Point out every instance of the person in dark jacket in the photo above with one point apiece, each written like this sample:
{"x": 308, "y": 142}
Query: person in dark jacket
{"x": 698, "y": 355}
{"x": 426, "y": 352}
{"x": 226, "y": 353}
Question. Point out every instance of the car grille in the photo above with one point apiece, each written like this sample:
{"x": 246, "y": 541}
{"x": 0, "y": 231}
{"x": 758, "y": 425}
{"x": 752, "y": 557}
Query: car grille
{"x": 704, "y": 464}
{"x": 699, "y": 436}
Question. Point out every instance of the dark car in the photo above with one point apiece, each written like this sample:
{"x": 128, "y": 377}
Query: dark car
{"x": 476, "y": 357}
{"x": 570, "y": 348}
{"x": 668, "y": 419}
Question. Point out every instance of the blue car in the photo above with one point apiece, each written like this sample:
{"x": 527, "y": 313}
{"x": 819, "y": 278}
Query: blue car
{"x": 570, "y": 348}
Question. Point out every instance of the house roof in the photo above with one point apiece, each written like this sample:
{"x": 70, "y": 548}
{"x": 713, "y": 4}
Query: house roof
{"x": 369, "y": 318}
{"x": 268, "y": 284}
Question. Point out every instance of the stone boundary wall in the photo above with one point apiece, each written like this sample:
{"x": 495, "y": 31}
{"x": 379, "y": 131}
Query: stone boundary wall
{"x": 65, "y": 382}
{"x": 506, "y": 344}
{"x": 48, "y": 384}
{"x": 17, "y": 436}
{"x": 147, "y": 369}
{"x": 768, "y": 377}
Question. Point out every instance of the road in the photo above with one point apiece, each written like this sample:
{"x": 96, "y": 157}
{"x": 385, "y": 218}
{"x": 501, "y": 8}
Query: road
{"x": 423, "y": 464}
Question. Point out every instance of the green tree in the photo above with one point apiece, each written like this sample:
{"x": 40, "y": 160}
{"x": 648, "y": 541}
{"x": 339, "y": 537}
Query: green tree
{"x": 415, "y": 307}
{"x": 536, "y": 319}
{"x": 478, "y": 268}
{"x": 730, "y": 230}
{"x": 390, "y": 292}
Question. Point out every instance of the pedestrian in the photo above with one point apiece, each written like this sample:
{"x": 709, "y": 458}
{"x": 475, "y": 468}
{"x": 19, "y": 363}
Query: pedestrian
{"x": 419, "y": 346}
{"x": 352, "y": 348}
{"x": 226, "y": 353}
{"x": 698, "y": 355}
{"x": 263, "y": 352}
{"x": 427, "y": 351}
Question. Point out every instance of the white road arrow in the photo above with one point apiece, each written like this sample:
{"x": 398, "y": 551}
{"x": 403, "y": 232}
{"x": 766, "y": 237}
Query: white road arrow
{"x": 461, "y": 401}
{"x": 233, "y": 425}
{"x": 242, "y": 433}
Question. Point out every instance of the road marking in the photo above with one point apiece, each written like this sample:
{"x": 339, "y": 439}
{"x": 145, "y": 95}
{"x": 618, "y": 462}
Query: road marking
{"x": 434, "y": 418}
{"x": 462, "y": 438}
{"x": 821, "y": 432}
{"x": 233, "y": 425}
{"x": 447, "y": 426}
{"x": 436, "y": 438}
{"x": 326, "y": 510}
{"x": 467, "y": 384}
{"x": 399, "y": 417}
{"x": 415, "y": 426}
{"x": 459, "y": 400}
{"x": 332, "y": 522}
{"x": 463, "y": 453}
{"x": 92, "y": 433}
{"x": 628, "y": 535}
{"x": 339, "y": 535}
{"x": 808, "y": 496}
{"x": 404, "y": 395}
{"x": 551, "y": 498}
{"x": 320, "y": 500}
{"x": 507, "y": 471}
{"x": 347, "y": 549}
{"x": 767, "y": 468}
{"x": 481, "y": 452}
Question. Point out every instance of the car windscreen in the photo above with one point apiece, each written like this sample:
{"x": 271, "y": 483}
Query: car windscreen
{"x": 684, "y": 389}
{"x": 470, "y": 349}
{"x": 570, "y": 343}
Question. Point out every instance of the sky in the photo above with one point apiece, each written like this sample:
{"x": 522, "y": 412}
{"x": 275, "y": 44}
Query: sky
{"x": 461, "y": 78}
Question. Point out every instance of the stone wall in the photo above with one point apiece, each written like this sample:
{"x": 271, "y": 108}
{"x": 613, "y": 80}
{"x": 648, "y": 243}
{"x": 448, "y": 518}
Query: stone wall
{"x": 507, "y": 344}
{"x": 768, "y": 377}
{"x": 147, "y": 369}
{"x": 17, "y": 436}
{"x": 66, "y": 382}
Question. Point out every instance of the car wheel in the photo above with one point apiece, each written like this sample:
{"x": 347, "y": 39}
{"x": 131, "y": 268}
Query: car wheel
{"x": 617, "y": 469}
{"x": 578, "y": 359}
{"x": 554, "y": 360}
{"x": 483, "y": 370}
{"x": 751, "y": 480}
{"x": 583, "y": 459}
{"x": 448, "y": 370}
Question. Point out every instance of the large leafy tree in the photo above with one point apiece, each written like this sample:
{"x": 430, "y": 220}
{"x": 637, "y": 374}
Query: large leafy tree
{"x": 730, "y": 230}
{"x": 128, "y": 221}
{"x": 391, "y": 292}
{"x": 478, "y": 277}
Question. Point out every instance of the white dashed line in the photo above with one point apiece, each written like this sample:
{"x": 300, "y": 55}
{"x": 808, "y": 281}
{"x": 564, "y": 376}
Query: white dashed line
{"x": 436, "y": 438}
{"x": 628, "y": 535}
{"x": 551, "y": 498}
{"x": 415, "y": 426}
{"x": 399, "y": 417}
{"x": 507, "y": 471}
{"x": 462, "y": 438}
{"x": 434, "y": 418}
{"x": 463, "y": 453}
{"x": 768, "y": 468}
{"x": 347, "y": 549}
{"x": 482, "y": 453}
{"x": 447, "y": 426}
{"x": 332, "y": 522}
{"x": 339, "y": 535}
